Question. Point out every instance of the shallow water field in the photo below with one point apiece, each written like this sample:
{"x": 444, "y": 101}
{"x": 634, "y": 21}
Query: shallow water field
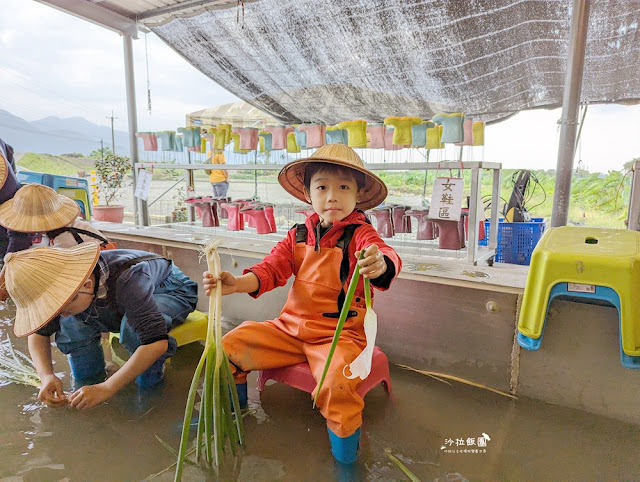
{"x": 439, "y": 431}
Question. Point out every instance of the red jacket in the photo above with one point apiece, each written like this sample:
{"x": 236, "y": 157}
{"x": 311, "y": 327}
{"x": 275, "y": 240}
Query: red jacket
{"x": 278, "y": 266}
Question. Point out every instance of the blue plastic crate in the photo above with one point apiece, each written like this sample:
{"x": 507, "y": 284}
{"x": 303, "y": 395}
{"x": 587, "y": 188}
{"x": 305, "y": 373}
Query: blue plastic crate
{"x": 54, "y": 181}
{"x": 516, "y": 241}
{"x": 73, "y": 187}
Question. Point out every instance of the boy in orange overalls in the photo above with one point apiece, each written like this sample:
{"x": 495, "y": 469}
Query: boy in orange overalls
{"x": 322, "y": 255}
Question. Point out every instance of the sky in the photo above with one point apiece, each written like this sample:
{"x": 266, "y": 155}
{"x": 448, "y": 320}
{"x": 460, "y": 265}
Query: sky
{"x": 56, "y": 64}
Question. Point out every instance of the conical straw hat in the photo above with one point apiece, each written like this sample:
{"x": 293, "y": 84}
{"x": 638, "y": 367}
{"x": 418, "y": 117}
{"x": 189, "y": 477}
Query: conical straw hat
{"x": 41, "y": 281}
{"x": 3, "y": 170}
{"x": 36, "y": 209}
{"x": 291, "y": 177}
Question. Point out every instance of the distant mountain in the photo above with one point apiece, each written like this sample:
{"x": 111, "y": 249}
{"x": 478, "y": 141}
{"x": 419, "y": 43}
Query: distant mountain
{"x": 53, "y": 135}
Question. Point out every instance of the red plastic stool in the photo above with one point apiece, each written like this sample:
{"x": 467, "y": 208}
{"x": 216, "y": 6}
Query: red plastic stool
{"x": 384, "y": 221}
{"x": 299, "y": 376}
{"x": 451, "y": 233}
{"x": 401, "y": 224}
{"x": 426, "y": 227}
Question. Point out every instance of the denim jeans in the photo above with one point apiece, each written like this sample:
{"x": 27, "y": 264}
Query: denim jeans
{"x": 220, "y": 189}
{"x": 79, "y": 335}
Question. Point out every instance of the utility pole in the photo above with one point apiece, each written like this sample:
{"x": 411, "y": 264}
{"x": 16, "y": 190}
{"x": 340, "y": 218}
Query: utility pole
{"x": 113, "y": 138}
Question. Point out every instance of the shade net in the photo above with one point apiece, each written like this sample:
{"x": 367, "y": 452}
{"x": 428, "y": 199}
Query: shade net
{"x": 329, "y": 61}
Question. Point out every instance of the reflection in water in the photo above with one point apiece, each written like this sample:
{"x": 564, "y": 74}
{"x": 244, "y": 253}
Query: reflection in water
{"x": 287, "y": 440}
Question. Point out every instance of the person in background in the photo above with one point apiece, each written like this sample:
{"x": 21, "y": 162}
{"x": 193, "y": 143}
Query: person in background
{"x": 77, "y": 293}
{"x": 7, "y": 151}
{"x": 219, "y": 178}
{"x": 322, "y": 255}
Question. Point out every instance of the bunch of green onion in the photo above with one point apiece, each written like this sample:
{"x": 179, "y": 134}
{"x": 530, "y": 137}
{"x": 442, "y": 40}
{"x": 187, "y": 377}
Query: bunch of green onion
{"x": 218, "y": 420}
{"x": 16, "y": 367}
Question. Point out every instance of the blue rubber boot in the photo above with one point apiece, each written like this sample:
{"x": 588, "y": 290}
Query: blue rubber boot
{"x": 87, "y": 365}
{"x": 345, "y": 449}
{"x": 243, "y": 398}
{"x": 155, "y": 373}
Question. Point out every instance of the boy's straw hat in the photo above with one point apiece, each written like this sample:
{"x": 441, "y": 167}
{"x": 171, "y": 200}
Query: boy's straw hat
{"x": 42, "y": 280}
{"x": 36, "y": 208}
{"x": 291, "y": 177}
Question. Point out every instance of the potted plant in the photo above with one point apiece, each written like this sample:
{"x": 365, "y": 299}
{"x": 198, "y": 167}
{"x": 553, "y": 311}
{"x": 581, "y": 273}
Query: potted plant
{"x": 111, "y": 171}
{"x": 179, "y": 213}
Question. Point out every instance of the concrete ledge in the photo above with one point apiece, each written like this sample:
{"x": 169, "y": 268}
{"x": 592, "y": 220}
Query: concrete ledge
{"x": 447, "y": 316}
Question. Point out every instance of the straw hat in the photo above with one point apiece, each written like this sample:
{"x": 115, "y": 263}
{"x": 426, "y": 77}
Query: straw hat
{"x": 36, "y": 208}
{"x": 291, "y": 177}
{"x": 42, "y": 280}
{"x": 3, "y": 170}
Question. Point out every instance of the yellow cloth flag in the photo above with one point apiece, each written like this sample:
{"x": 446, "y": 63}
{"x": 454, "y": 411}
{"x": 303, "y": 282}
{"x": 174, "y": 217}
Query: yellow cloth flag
{"x": 433, "y": 138}
{"x": 292, "y": 145}
{"x": 402, "y": 129}
{"x": 356, "y": 132}
{"x": 227, "y": 132}
{"x": 478, "y": 133}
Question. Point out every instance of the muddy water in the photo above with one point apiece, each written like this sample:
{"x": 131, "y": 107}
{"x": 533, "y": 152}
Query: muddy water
{"x": 435, "y": 429}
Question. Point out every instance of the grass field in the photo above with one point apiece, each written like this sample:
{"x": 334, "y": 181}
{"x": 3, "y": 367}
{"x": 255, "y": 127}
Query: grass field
{"x": 64, "y": 165}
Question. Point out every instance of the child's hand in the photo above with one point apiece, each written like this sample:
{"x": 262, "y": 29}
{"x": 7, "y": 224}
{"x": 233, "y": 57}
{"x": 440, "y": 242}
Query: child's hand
{"x": 227, "y": 280}
{"x": 373, "y": 265}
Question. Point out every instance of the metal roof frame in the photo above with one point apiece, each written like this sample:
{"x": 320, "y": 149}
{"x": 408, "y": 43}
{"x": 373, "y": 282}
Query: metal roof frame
{"x": 96, "y": 14}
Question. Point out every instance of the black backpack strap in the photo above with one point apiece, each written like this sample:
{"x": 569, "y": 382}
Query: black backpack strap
{"x": 343, "y": 244}
{"x": 113, "y": 277}
{"x": 301, "y": 233}
{"x": 76, "y": 232}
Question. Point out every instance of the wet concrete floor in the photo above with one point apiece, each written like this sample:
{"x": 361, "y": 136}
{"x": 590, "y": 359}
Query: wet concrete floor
{"x": 433, "y": 428}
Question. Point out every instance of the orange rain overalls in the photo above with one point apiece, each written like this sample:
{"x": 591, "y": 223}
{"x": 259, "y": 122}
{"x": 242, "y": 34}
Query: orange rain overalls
{"x": 301, "y": 333}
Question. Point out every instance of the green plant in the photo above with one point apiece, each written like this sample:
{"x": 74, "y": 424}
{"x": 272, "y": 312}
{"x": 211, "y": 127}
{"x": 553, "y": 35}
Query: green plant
{"x": 110, "y": 174}
{"x": 100, "y": 153}
{"x": 180, "y": 211}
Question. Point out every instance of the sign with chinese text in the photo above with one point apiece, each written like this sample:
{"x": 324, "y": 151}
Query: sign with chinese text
{"x": 143, "y": 184}
{"x": 446, "y": 200}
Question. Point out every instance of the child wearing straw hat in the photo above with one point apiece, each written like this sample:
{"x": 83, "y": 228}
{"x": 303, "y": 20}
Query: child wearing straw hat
{"x": 77, "y": 293}
{"x": 322, "y": 255}
{"x": 38, "y": 209}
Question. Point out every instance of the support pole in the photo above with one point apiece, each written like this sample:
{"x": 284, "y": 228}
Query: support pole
{"x": 570, "y": 107}
{"x": 633, "y": 219}
{"x": 140, "y": 210}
